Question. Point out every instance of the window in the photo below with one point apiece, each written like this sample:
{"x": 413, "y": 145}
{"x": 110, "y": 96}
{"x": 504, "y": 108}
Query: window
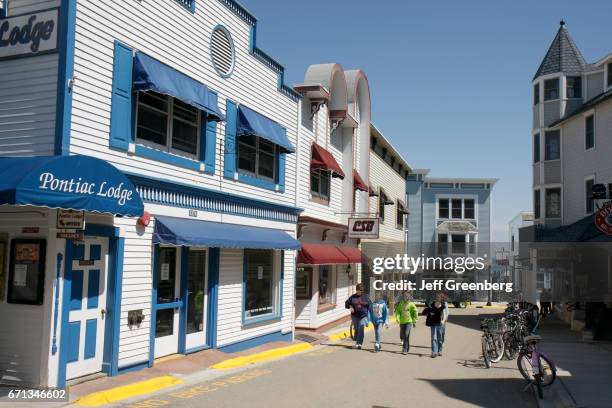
{"x": 303, "y": 283}
{"x": 188, "y": 4}
{"x": 536, "y": 148}
{"x": 320, "y": 183}
{"x": 458, "y": 243}
{"x": 536, "y": 204}
{"x": 553, "y": 203}
{"x": 400, "y": 212}
{"x": 552, "y": 145}
{"x": 3, "y": 4}
{"x": 443, "y": 208}
{"x": 259, "y": 282}
{"x": 536, "y": 94}
{"x": 574, "y": 87}
{"x": 327, "y": 289}
{"x": 512, "y": 243}
{"x": 589, "y": 132}
{"x": 469, "y": 209}
{"x": 610, "y": 75}
{"x": 222, "y": 51}
{"x": 168, "y": 124}
{"x": 588, "y": 190}
{"x": 257, "y": 157}
{"x": 442, "y": 244}
{"x": 551, "y": 89}
{"x": 456, "y": 208}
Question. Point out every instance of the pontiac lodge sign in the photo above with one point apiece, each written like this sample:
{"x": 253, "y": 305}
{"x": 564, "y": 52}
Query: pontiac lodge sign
{"x": 29, "y": 34}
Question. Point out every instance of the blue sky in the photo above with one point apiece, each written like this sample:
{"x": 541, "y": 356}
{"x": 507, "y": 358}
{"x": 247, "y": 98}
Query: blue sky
{"x": 450, "y": 80}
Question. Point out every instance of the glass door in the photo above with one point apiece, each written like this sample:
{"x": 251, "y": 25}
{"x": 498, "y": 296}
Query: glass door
{"x": 167, "y": 284}
{"x": 196, "y": 299}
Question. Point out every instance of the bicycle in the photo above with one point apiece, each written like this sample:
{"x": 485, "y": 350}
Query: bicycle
{"x": 535, "y": 366}
{"x": 492, "y": 341}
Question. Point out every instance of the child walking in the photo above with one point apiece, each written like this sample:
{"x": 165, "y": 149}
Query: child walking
{"x": 406, "y": 315}
{"x": 379, "y": 315}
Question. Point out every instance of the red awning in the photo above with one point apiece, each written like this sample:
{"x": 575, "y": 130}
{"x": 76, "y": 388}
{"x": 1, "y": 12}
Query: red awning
{"x": 358, "y": 183}
{"x": 322, "y": 159}
{"x": 320, "y": 254}
{"x": 353, "y": 254}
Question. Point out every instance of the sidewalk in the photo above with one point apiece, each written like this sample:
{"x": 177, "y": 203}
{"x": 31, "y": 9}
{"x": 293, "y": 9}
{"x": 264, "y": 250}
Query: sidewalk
{"x": 584, "y": 369}
{"x": 174, "y": 371}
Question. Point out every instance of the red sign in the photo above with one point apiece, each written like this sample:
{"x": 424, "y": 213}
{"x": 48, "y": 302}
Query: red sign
{"x": 363, "y": 228}
{"x": 603, "y": 219}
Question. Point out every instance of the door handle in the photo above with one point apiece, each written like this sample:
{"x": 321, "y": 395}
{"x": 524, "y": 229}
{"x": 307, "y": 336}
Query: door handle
{"x": 103, "y": 313}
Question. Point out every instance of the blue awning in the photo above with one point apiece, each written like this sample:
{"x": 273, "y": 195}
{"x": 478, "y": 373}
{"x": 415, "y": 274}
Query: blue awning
{"x": 251, "y": 123}
{"x": 152, "y": 75}
{"x": 188, "y": 232}
{"x": 79, "y": 183}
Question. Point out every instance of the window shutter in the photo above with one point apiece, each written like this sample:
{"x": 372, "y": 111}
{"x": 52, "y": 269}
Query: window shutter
{"x": 229, "y": 159}
{"x": 209, "y": 141}
{"x": 281, "y": 171}
{"x": 121, "y": 104}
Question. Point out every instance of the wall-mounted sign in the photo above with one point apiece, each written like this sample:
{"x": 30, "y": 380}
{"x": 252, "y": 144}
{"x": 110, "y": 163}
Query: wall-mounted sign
{"x": 27, "y": 271}
{"x": 70, "y": 219}
{"x": 30, "y": 230}
{"x": 603, "y": 218}
{"x": 29, "y": 34}
{"x": 74, "y": 235}
{"x": 363, "y": 228}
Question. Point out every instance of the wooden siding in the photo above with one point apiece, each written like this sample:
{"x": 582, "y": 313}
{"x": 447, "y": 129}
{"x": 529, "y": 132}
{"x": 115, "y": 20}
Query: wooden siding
{"x": 181, "y": 40}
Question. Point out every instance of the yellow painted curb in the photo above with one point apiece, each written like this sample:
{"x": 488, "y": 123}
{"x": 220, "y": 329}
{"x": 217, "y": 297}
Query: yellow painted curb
{"x": 263, "y": 356}
{"x": 127, "y": 391}
{"x": 346, "y": 334}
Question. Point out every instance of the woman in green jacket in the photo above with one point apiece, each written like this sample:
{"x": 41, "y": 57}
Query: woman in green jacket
{"x": 406, "y": 315}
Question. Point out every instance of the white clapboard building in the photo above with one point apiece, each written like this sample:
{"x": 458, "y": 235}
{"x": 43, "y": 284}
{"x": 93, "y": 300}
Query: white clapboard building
{"x": 174, "y": 138}
{"x": 333, "y": 172}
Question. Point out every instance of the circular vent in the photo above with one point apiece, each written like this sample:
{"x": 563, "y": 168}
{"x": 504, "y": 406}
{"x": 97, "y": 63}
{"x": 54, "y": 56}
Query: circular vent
{"x": 222, "y": 51}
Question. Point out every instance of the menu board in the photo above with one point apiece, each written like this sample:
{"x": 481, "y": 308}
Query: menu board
{"x": 27, "y": 271}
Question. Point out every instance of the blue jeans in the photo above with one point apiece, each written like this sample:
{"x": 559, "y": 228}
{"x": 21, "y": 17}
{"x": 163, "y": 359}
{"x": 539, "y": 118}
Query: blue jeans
{"x": 359, "y": 324}
{"x": 405, "y": 336}
{"x": 436, "y": 339}
{"x": 377, "y": 332}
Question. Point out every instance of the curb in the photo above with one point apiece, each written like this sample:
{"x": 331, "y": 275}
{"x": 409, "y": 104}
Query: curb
{"x": 261, "y": 357}
{"x": 555, "y": 396}
{"x": 99, "y": 398}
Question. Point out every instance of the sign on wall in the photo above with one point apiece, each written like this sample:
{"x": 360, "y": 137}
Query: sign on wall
{"x": 29, "y": 34}
{"x": 363, "y": 228}
{"x": 603, "y": 218}
{"x": 70, "y": 219}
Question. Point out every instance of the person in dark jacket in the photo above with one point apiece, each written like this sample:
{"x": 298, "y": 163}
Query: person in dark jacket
{"x": 435, "y": 317}
{"x": 360, "y": 304}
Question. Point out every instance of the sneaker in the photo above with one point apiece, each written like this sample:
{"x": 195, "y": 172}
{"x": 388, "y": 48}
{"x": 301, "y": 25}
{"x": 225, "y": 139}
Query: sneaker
{"x": 355, "y": 346}
{"x": 359, "y": 347}
{"x": 404, "y": 352}
{"x": 440, "y": 354}
{"x": 433, "y": 355}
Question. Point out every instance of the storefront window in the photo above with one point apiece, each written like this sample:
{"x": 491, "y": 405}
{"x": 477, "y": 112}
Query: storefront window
{"x": 166, "y": 275}
{"x": 196, "y": 291}
{"x": 259, "y": 282}
{"x": 303, "y": 283}
{"x": 327, "y": 289}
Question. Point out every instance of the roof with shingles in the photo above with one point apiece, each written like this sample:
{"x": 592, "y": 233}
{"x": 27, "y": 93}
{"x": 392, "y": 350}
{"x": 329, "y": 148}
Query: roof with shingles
{"x": 562, "y": 56}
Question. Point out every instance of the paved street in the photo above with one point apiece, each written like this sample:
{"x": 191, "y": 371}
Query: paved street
{"x": 334, "y": 375}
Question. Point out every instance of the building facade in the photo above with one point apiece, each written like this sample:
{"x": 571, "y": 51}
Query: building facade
{"x": 388, "y": 174}
{"x": 449, "y": 217}
{"x": 193, "y": 124}
{"x": 572, "y": 116}
{"x": 332, "y": 186}
{"x": 516, "y": 264}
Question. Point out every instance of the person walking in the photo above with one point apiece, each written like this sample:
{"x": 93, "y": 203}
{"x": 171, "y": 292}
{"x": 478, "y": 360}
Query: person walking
{"x": 379, "y": 316}
{"x": 435, "y": 317}
{"x": 442, "y": 297}
{"x": 359, "y": 303}
{"x": 406, "y": 315}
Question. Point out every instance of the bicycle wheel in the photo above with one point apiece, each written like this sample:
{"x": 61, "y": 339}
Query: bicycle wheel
{"x": 510, "y": 346}
{"x": 497, "y": 351}
{"x": 353, "y": 331}
{"x": 548, "y": 371}
{"x": 485, "y": 351}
